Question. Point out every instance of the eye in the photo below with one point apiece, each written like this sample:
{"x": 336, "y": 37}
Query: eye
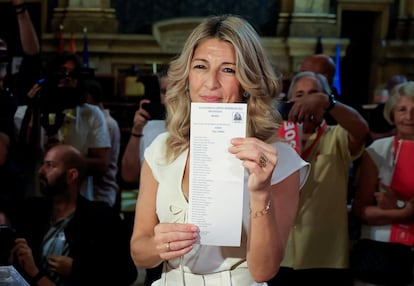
{"x": 199, "y": 66}
{"x": 400, "y": 109}
{"x": 229, "y": 70}
{"x": 299, "y": 94}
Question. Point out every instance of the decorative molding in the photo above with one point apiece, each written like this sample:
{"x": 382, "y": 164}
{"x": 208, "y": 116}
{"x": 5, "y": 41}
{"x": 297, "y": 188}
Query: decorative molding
{"x": 172, "y": 33}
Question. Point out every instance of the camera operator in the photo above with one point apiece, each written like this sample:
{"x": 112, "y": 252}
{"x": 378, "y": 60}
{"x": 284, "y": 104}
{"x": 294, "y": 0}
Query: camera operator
{"x": 58, "y": 112}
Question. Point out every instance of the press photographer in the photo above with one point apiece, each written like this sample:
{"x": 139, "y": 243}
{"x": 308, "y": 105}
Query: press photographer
{"x": 57, "y": 114}
{"x": 61, "y": 91}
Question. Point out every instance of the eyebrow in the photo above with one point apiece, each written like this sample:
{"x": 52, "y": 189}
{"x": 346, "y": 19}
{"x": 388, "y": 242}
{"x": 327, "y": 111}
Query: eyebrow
{"x": 204, "y": 60}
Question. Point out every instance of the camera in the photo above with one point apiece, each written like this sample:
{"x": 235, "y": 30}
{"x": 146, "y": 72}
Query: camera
{"x": 7, "y": 238}
{"x": 155, "y": 109}
{"x": 152, "y": 92}
{"x": 82, "y": 73}
{"x": 284, "y": 108}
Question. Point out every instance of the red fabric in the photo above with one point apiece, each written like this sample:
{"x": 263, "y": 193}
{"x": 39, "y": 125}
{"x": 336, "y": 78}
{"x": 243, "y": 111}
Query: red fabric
{"x": 403, "y": 178}
{"x": 402, "y": 183}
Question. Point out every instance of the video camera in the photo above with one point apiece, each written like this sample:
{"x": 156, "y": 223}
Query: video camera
{"x": 54, "y": 99}
{"x": 284, "y": 108}
{"x": 83, "y": 73}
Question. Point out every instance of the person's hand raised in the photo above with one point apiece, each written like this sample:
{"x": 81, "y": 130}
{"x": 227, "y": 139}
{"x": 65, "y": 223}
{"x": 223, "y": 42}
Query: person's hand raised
{"x": 259, "y": 158}
{"x": 309, "y": 107}
{"x": 141, "y": 117}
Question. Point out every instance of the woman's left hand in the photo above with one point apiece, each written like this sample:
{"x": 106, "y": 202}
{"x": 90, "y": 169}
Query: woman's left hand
{"x": 259, "y": 158}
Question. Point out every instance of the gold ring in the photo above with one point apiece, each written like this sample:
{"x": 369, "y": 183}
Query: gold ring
{"x": 263, "y": 161}
{"x": 167, "y": 245}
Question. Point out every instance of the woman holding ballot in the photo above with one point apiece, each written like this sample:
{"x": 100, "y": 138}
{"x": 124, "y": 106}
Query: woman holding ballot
{"x": 222, "y": 62}
{"x": 384, "y": 199}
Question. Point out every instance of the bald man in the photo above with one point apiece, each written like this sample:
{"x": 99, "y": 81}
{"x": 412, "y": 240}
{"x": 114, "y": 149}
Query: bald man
{"x": 322, "y": 64}
{"x": 325, "y": 65}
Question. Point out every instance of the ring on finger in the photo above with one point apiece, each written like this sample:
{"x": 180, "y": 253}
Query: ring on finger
{"x": 167, "y": 246}
{"x": 263, "y": 160}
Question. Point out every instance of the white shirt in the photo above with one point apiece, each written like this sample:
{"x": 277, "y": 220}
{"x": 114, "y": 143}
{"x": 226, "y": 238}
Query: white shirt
{"x": 171, "y": 205}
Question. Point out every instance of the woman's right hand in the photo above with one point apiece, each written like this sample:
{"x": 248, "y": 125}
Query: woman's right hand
{"x": 175, "y": 239}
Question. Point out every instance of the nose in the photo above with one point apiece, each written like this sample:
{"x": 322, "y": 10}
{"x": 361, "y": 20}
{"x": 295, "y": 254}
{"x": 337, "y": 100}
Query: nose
{"x": 211, "y": 81}
{"x": 410, "y": 114}
{"x": 41, "y": 169}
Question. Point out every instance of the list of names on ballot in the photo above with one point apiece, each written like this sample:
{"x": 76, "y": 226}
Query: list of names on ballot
{"x": 216, "y": 176}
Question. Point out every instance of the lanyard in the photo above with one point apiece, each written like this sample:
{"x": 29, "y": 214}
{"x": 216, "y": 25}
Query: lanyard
{"x": 397, "y": 145}
{"x": 306, "y": 152}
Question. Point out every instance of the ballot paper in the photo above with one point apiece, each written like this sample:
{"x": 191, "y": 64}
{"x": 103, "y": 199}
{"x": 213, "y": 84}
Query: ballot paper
{"x": 216, "y": 175}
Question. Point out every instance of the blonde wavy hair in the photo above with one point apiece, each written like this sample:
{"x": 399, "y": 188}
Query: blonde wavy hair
{"x": 253, "y": 70}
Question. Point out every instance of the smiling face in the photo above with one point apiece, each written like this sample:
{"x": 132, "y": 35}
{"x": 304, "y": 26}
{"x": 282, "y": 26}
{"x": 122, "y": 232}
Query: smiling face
{"x": 212, "y": 76}
{"x": 404, "y": 118}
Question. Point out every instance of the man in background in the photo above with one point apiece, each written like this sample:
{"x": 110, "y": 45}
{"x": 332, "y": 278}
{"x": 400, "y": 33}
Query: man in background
{"x": 105, "y": 187}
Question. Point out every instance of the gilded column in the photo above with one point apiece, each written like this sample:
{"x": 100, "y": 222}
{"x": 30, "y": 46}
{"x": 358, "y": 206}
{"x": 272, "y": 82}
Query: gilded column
{"x": 96, "y": 15}
{"x": 405, "y": 28}
{"x": 312, "y": 18}
{"x": 284, "y": 18}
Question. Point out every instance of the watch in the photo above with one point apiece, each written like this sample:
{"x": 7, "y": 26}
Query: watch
{"x": 332, "y": 102}
{"x": 400, "y": 204}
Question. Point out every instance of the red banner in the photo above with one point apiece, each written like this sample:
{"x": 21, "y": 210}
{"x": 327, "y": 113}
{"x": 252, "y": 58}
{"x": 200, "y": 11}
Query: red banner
{"x": 289, "y": 131}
